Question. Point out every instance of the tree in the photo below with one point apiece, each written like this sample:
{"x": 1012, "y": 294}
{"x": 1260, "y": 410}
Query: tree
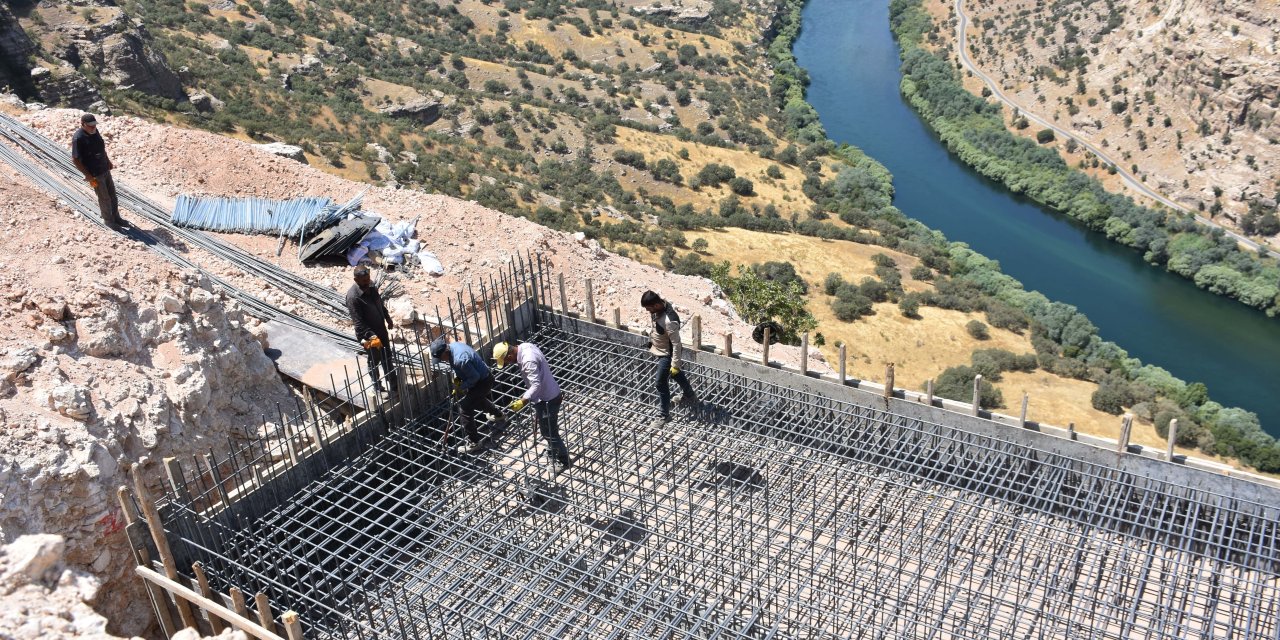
{"x": 742, "y": 186}
{"x": 909, "y": 305}
{"x": 1044, "y": 136}
{"x": 956, "y": 383}
{"x": 783, "y": 273}
{"x": 832, "y": 283}
{"x": 758, "y": 300}
{"x": 700, "y": 245}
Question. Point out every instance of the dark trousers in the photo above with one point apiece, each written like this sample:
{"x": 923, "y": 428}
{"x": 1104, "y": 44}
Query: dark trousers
{"x": 664, "y": 389}
{"x": 108, "y": 203}
{"x": 381, "y": 359}
{"x": 548, "y": 416}
{"x": 478, "y": 398}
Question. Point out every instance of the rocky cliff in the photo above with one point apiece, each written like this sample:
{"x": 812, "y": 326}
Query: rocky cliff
{"x": 15, "y": 49}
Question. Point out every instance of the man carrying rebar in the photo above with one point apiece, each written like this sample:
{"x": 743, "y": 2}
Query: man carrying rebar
{"x": 473, "y": 382}
{"x": 543, "y": 392}
{"x": 372, "y": 321}
{"x": 665, "y": 343}
{"x": 89, "y": 153}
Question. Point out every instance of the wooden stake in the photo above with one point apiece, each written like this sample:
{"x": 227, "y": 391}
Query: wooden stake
{"x": 1173, "y": 438}
{"x": 237, "y": 602}
{"x": 1023, "y": 420}
{"x": 183, "y": 594}
{"x": 928, "y": 389}
{"x": 728, "y": 345}
{"x": 203, "y": 581}
{"x": 1126, "y": 426}
{"x": 617, "y": 318}
{"x": 888, "y": 381}
{"x": 695, "y": 333}
{"x": 804, "y": 354}
{"x": 977, "y": 394}
{"x": 564, "y": 299}
{"x": 264, "y": 612}
{"x": 591, "y": 302}
{"x": 843, "y": 366}
{"x": 292, "y": 626}
{"x": 144, "y": 559}
{"x": 764, "y": 355}
{"x": 162, "y": 543}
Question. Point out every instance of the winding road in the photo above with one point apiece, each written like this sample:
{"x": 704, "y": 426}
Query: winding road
{"x": 962, "y": 48}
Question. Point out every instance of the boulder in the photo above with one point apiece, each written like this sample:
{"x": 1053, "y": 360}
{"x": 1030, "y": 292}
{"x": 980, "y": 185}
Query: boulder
{"x": 283, "y": 150}
{"x": 421, "y": 110}
{"x": 205, "y": 103}
{"x": 129, "y": 62}
{"x": 402, "y": 311}
{"x": 29, "y": 560}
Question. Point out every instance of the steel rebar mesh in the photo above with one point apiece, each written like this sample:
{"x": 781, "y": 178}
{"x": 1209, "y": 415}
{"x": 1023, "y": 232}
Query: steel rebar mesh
{"x": 776, "y": 513}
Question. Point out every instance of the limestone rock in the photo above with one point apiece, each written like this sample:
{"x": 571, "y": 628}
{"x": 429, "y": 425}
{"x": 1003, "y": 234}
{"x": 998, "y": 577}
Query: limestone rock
{"x": 71, "y": 401}
{"x": 17, "y": 362}
{"x": 15, "y": 46}
{"x": 283, "y": 150}
{"x": 205, "y": 102}
{"x": 402, "y": 311}
{"x": 28, "y": 559}
{"x": 422, "y": 110}
{"x": 129, "y": 62}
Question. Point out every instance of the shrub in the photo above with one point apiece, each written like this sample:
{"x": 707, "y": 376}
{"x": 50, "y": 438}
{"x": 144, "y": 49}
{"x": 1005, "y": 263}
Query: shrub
{"x": 852, "y": 307}
{"x": 1044, "y": 135}
{"x": 783, "y": 273}
{"x": 910, "y": 305}
{"x": 874, "y": 290}
{"x": 921, "y": 272}
{"x": 956, "y": 383}
{"x": 977, "y": 329}
{"x": 629, "y": 158}
{"x": 742, "y": 186}
{"x": 1112, "y": 396}
{"x": 1003, "y": 316}
{"x": 700, "y": 244}
{"x": 832, "y": 283}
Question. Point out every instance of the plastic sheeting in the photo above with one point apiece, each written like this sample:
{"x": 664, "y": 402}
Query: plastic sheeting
{"x": 396, "y": 243}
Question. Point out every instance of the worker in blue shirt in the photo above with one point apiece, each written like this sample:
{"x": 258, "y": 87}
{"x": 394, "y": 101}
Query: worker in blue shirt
{"x": 474, "y": 383}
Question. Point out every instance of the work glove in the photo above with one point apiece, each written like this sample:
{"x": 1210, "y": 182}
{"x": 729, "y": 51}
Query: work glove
{"x": 518, "y": 405}
{"x": 93, "y": 182}
{"x": 375, "y": 343}
{"x": 675, "y": 370}
{"x": 457, "y": 386}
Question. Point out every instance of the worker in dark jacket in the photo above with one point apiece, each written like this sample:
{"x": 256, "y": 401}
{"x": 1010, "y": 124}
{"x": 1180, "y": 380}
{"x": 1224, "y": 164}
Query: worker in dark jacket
{"x": 89, "y": 153}
{"x": 473, "y": 381}
{"x": 665, "y": 343}
{"x": 372, "y": 321}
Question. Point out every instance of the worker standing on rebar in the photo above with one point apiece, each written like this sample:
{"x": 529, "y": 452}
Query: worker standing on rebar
{"x": 473, "y": 382}
{"x": 543, "y": 393}
{"x": 89, "y": 153}
{"x": 372, "y": 321}
{"x": 665, "y": 343}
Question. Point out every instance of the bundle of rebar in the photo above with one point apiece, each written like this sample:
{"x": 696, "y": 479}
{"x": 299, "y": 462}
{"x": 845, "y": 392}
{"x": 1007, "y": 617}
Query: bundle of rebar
{"x": 250, "y": 214}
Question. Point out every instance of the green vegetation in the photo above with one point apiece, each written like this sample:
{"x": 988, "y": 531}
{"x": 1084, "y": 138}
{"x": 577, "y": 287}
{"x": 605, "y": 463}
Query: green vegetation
{"x": 758, "y": 299}
{"x": 973, "y": 129}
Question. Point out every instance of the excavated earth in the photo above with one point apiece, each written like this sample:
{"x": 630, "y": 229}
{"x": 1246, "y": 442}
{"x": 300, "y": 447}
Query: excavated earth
{"x": 111, "y": 356}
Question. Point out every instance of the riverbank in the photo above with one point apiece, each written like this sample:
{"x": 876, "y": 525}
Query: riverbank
{"x": 1100, "y": 360}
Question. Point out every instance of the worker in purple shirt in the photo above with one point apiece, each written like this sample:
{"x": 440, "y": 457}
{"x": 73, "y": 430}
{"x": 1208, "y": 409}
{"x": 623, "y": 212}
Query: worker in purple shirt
{"x": 543, "y": 392}
{"x": 474, "y": 382}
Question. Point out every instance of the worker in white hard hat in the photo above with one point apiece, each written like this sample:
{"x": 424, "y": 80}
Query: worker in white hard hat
{"x": 543, "y": 393}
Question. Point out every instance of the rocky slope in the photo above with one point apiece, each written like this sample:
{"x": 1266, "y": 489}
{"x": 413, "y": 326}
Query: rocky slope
{"x": 1185, "y": 90}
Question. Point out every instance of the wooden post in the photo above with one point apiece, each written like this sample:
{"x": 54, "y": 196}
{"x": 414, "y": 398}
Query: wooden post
{"x": 237, "y": 602}
{"x": 1173, "y": 438}
{"x": 977, "y": 394}
{"x": 202, "y": 581}
{"x": 804, "y": 355}
{"x": 617, "y": 318}
{"x": 728, "y": 345}
{"x": 564, "y": 299}
{"x": 288, "y": 441}
{"x": 144, "y": 558}
{"x": 928, "y": 389}
{"x": 695, "y": 333}
{"x": 764, "y": 355}
{"x": 162, "y": 544}
{"x": 843, "y": 366}
{"x": 216, "y": 477}
{"x": 1126, "y": 426}
{"x": 888, "y": 381}
{"x": 264, "y": 612}
{"x": 1071, "y": 430}
{"x": 213, "y": 607}
{"x": 173, "y": 469}
{"x": 292, "y": 627}
{"x": 591, "y": 302}
{"x": 1022, "y": 421}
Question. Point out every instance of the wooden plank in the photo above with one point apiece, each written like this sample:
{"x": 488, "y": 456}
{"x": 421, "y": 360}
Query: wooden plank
{"x": 181, "y": 591}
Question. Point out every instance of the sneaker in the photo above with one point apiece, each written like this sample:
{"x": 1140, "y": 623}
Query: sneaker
{"x": 558, "y": 468}
{"x": 660, "y": 422}
{"x": 689, "y": 401}
{"x": 475, "y": 447}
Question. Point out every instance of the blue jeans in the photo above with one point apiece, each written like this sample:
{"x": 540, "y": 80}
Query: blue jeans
{"x": 664, "y": 389}
{"x": 548, "y": 416}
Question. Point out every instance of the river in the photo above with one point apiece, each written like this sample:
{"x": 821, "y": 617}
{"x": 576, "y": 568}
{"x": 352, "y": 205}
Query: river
{"x": 1163, "y": 319}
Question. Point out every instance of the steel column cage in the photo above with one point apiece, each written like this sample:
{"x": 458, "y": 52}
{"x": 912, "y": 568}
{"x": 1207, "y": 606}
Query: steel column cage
{"x": 770, "y": 512}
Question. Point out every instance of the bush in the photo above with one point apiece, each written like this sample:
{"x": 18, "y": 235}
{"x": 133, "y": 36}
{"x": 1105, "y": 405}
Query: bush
{"x": 1003, "y": 316}
{"x": 921, "y": 272}
{"x": 629, "y": 158}
{"x": 956, "y": 383}
{"x": 783, "y": 273}
{"x": 874, "y": 290}
{"x": 1044, "y": 135}
{"x": 1112, "y": 396}
{"x": 742, "y": 186}
{"x": 832, "y": 283}
{"x": 977, "y": 329}
{"x": 700, "y": 244}
{"x": 910, "y": 305}
{"x": 851, "y": 307}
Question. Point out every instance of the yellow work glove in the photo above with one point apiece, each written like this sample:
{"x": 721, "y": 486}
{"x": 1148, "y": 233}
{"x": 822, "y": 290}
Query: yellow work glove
{"x": 93, "y": 182}
{"x": 675, "y": 370}
{"x": 518, "y": 405}
{"x": 457, "y": 386}
{"x": 375, "y": 342}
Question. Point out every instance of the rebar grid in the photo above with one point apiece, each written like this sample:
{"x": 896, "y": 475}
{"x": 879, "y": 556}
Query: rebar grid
{"x": 776, "y": 513}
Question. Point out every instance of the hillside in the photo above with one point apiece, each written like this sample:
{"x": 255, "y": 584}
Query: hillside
{"x": 1183, "y": 93}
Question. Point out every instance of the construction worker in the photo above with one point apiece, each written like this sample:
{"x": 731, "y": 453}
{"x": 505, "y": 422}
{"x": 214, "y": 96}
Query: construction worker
{"x": 89, "y": 153}
{"x": 543, "y": 392}
{"x": 372, "y": 321}
{"x": 473, "y": 382}
{"x": 665, "y": 343}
